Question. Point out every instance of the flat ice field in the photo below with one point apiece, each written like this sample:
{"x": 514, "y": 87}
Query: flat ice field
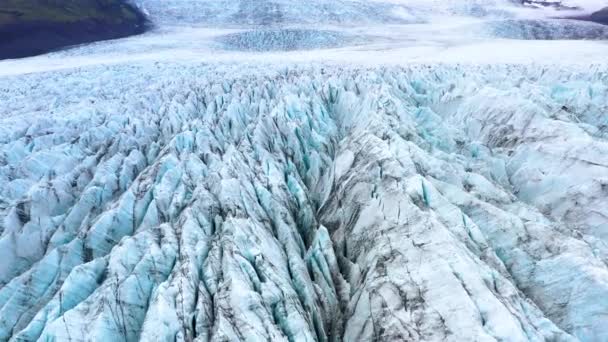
{"x": 310, "y": 171}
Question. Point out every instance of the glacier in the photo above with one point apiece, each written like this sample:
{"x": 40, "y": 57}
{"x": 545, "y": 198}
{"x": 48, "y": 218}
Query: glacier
{"x": 307, "y": 203}
{"x": 254, "y": 171}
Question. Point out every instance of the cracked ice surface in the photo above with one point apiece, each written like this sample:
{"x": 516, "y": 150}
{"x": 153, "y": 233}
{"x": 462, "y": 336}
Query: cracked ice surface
{"x": 167, "y": 201}
{"x": 282, "y": 40}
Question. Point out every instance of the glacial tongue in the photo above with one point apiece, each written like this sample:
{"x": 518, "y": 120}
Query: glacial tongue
{"x": 213, "y": 203}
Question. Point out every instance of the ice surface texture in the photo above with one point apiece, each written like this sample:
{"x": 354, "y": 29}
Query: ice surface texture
{"x": 166, "y": 202}
{"x": 271, "y": 12}
{"x": 282, "y": 40}
{"x": 548, "y": 29}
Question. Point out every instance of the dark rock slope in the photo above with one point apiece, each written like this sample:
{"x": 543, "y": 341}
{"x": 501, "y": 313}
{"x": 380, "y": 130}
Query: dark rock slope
{"x": 32, "y": 27}
{"x": 600, "y": 16}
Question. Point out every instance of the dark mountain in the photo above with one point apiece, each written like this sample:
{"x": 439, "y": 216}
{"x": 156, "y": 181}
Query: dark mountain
{"x": 32, "y": 27}
{"x": 600, "y": 16}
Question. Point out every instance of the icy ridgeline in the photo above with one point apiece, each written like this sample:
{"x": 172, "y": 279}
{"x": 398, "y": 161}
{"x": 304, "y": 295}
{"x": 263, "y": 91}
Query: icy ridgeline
{"x": 247, "y": 13}
{"x": 171, "y": 202}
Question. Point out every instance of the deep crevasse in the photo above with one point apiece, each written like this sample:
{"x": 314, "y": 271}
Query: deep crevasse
{"x": 178, "y": 202}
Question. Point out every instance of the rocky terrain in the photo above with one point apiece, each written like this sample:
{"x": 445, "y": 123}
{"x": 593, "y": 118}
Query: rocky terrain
{"x": 32, "y": 27}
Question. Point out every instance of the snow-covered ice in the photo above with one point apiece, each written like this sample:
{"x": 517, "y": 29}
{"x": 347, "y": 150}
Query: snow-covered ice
{"x": 411, "y": 178}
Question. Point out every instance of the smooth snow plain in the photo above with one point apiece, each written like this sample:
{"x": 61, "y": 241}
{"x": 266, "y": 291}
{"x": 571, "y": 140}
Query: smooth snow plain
{"x": 310, "y": 171}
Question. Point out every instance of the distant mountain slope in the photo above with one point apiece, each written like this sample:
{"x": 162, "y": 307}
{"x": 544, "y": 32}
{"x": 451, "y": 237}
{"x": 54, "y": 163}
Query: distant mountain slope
{"x": 31, "y": 27}
{"x": 600, "y": 16}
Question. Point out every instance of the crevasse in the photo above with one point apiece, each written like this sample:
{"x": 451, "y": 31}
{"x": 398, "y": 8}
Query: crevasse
{"x": 318, "y": 203}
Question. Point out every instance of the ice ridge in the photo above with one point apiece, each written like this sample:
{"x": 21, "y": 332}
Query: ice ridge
{"x": 317, "y": 203}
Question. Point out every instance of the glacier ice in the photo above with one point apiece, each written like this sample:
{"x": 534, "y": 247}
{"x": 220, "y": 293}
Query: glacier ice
{"x": 547, "y": 29}
{"x": 195, "y": 184}
{"x": 282, "y": 40}
{"x": 211, "y": 202}
{"x": 274, "y": 12}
